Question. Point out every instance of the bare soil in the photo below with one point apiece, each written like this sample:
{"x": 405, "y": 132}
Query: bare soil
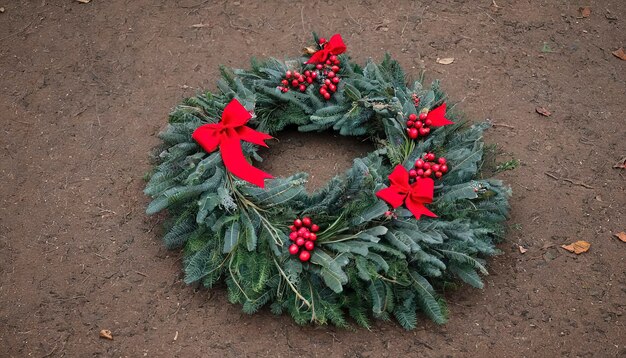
{"x": 85, "y": 88}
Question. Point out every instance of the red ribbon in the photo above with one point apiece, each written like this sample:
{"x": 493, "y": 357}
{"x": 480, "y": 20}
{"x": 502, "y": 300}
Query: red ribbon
{"x": 413, "y": 196}
{"x": 228, "y": 134}
{"x": 437, "y": 116}
{"x": 334, "y": 46}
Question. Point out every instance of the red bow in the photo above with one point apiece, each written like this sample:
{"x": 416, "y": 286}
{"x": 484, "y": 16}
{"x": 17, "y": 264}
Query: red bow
{"x": 413, "y": 196}
{"x": 333, "y": 47}
{"x": 437, "y": 116}
{"x": 228, "y": 134}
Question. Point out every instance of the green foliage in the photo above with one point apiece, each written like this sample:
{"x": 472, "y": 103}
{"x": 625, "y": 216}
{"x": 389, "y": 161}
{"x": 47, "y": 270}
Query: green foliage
{"x": 365, "y": 264}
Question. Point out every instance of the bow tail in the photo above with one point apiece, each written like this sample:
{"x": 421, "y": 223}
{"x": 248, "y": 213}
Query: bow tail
{"x": 418, "y": 209}
{"x": 236, "y": 163}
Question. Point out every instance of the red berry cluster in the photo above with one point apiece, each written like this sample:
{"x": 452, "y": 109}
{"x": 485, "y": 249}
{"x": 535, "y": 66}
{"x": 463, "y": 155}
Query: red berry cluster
{"x": 297, "y": 80}
{"x": 303, "y": 233}
{"x": 426, "y": 166}
{"x": 326, "y": 74}
{"x": 417, "y": 126}
{"x": 416, "y": 100}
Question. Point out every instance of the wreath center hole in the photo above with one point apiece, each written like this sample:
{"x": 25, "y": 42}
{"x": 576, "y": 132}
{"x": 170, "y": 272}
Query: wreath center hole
{"x": 321, "y": 155}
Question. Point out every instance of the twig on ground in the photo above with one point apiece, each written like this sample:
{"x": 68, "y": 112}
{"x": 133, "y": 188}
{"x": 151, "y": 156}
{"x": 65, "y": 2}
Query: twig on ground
{"x": 237, "y": 27}
{"x": 502, "y": 125}
{"x": 572, "y": 181}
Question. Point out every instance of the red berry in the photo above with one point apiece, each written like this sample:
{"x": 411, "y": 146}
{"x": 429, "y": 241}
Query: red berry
{"x": 427, "y": 173}
{"x": 441, "y": 160}
{"x": 297, "y": 223}
{"x": 332, "y": 87}
{"x": 335, "y": 68}
{"x": 315, "y": 228}
{"x": 305, "y": 256}
{"x": 284, "y": 89}
{"x": 327, "y": 82}
{"x": 426, "y": 166}
{"x": 388, "y": 213}
{"x": 295, "y": 83}
{"x": 307, "y": 73}
{"x": 335, "y": 80}
{"x": 319, "y": 66}
{"x": 426, "y": 131}
{"x": 293, "y": 249}
{"x": 410, "y": 123}
{"x": 443, "y": 168}
{"x": 420, "y": 172}
{"x": 306, "y": 221}
{"x": 419, "y": 163}
{"x": 322, "y": 41}
{"x": 333, "y": 58}
{"x": 309, "y": 80}
{"x": 312, "y": 236}
{"x": 423, "y": 131}
{"x": 331, "y": 74}
{"x": 292, "y": 228}
{"x": 428, "y": 122}
{"x": 435, "y": 167}
{"x": 293, "y": 236}
{"x": 288, "y": 74}
{"x": 328, "y": 62}
{"x": 323, "y": 90}
{"x": 430, "y": 156}
{"x": 412, "y": 173}
{"x": 412, "y": 117}
{"x": 301, "y": 79}
{"x": 314, "y": 75}
{"x": 423, "y": 116}
{"x": 309, "y": 245}
{"x": 302, "y": 230}
{"x": 413, "y": 133}
{"x": 419, "y": 124}
{"x": 302, "y": 88}
{"x": 285, "y": 82}
{"x": 296, "y": 74}
{"x": 327, "y": 96}
{"x": 438, "y": 174}
{"x": 306, "y": 235}
{"x": 300, "y": 241}
{"x": 336, "y": 62}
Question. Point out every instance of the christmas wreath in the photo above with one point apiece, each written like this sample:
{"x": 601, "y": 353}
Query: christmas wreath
{"x": 413, "y": 215}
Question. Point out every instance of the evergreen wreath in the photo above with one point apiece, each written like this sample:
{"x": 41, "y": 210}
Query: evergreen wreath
{"x": 341, "y": 250}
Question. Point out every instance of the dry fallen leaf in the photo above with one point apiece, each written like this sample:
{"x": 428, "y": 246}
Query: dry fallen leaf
{"x": 445, "y": 61}
{"x": 577, "y": 247}
{"x": 197, "y": 26}
{"x": 621, "y": 164}
{"x": 84, "y": 1}
{"x": 105, "y": 333}
{"x": 1, "y": 10}
{"x": 543, "y": 111}
{"x": 309, "y": 50}
{"x": 585, "y": 11}
{"x": 619, "y": 53}
{"x": 522, "y": 250}
{"x": 621, "y": 236}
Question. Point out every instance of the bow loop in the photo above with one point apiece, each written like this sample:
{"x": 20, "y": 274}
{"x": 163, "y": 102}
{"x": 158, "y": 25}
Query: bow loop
{"x": 227, "y": 135}
{"x": 334, "y": 46}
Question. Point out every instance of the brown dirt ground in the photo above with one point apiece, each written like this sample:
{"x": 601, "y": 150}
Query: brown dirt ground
{"x": 85, "y": 88}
